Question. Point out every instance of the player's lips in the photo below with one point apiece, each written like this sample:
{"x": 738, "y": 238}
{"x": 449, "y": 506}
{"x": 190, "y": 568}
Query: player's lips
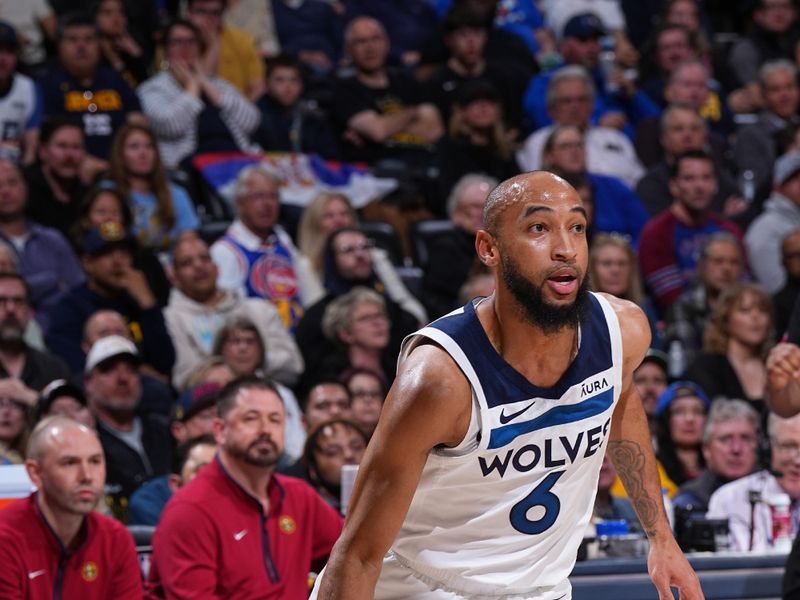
{"x": 563, "y": 281}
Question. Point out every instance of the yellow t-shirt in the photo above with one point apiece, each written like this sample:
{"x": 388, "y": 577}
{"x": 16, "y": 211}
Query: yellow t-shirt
{"x": 619, "y": 490}
{"x": 239, "y": 61}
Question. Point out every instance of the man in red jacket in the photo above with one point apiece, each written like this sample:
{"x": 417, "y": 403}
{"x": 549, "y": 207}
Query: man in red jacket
{"x": 53, "y": 543}
{"x": 240, "y": 530}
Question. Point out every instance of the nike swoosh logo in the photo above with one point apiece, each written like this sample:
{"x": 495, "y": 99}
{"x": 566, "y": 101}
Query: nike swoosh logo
{"x": 239, "y": 534}
{"x": 504, "y": 418}
{"x": 558, "y": 415}
{"x": 35, "y": 574}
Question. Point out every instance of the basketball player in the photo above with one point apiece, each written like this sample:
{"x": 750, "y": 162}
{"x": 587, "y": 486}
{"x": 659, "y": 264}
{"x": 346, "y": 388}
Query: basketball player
{"x": 481, "y": 475}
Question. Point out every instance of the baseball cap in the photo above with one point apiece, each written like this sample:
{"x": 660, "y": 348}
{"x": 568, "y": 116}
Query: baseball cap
{"x": 8, "y": 35}
{"x": 56, "y": 389}
{"x": 195, "y": 399}
{"x": 680, "y": 389}
{"x": 107, "y": 234}
{"x": 658, "y": 357}
{"x": 584, "y": 26}
{"x": 476, "y": 89}
{"x": 786, "y": 167}
{"x": 109, "y": 347}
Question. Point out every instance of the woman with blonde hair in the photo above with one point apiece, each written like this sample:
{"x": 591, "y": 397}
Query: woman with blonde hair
{"x": 161, "y": 210}
{"x": 613, "y": 269}
{"x": 327, "y": 212}
{"x": 330, "y": 211}
{"x": 735, "y": 346}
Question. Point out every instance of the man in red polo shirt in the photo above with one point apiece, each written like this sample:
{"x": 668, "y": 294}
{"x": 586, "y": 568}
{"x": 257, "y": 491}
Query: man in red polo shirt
{"x": 240, "y": 530}
{"x": 53, "y": 544}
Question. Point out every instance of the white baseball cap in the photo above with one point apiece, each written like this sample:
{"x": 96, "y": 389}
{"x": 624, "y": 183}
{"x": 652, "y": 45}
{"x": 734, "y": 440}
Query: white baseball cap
{"x": 109, "y": 347}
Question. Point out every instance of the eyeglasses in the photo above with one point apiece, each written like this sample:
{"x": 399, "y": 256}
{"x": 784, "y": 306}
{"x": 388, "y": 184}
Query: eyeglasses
{"x": 15, "y": 301}
{"x": 789, "y": 450}
{"x": 11, "y": 403}
{"x": 371, "y": 318}
{"x": 338, "y": 451}
{"x": 364, "y": 246}
{"x": 729, "y": 439}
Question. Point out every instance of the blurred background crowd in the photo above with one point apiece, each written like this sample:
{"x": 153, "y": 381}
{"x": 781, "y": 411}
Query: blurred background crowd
{"x": 131, "y": 289}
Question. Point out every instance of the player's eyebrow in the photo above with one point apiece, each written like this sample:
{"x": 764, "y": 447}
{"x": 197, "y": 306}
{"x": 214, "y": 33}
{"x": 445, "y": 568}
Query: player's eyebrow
{"x": 579, "y": 209}
{"x": 530, "y": 210}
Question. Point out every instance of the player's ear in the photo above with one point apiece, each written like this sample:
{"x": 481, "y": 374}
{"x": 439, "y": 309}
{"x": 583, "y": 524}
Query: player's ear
{"x": 486, "y": 247}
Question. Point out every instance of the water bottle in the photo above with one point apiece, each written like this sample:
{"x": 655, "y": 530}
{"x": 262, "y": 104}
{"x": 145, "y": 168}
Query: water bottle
{"x": 677, "y": 359}
{"x": 668, "y": 508}
{"x": 607, "y": 61}
{"x": 747, "y": 185}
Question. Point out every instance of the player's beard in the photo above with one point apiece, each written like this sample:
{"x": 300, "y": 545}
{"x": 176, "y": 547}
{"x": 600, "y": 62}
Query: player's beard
{"x": 540, "y": 313}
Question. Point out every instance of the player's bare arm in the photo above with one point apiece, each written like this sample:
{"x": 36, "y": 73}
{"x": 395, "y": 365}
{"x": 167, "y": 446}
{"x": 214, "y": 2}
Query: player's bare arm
{"x": 632, "y": 453}
{"x": 783, "y": 379}
{"x": 429, "y": 405}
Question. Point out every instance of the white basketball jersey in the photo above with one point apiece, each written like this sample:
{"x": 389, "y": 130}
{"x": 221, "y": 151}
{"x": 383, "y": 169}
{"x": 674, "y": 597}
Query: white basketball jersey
{"x": 503, "y": 514}
{"x": 18, "y": 108}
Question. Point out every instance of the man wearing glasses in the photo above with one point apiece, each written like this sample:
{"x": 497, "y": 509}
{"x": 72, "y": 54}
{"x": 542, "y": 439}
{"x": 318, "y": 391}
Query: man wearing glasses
{"x": 24, "y": 371}
{"x": 230, "y": 52}
{"x": 730, "y": 442}
{"x": 257, "y": 256}
{"x": 751, "y": 526}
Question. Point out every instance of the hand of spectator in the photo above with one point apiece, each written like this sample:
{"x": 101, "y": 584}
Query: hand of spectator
{"x": 626, "y": 53}
{"x": 90, "y": 168}
{"x": 212, "y": 92}
{"x": 17, "y": 391}
{"x": 410, "y": 57}
{"x": 127, "y": 44}
{"x": 734, "y": 205}
{"x": 186, "y": 77}
{"x": 614, "y": 120}
{"x": 742, "y": 101}
{"x": 136, "y": 284}
{"x": 353, "y": 137}
{"x": 783, "y": 366}
{"x": 317, "y": 58}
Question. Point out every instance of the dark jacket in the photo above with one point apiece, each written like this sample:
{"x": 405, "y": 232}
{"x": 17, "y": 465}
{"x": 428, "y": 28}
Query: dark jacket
{"x": 76, "y": 306}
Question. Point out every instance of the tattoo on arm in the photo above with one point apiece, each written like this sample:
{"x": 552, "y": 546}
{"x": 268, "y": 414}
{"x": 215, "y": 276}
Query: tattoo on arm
{"x": 629, "y": 460}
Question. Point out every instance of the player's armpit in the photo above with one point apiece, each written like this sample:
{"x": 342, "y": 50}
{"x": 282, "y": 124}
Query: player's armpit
{"x": 429, "y": 405}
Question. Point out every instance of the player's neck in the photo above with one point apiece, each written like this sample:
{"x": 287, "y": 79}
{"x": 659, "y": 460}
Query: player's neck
{"x": 542, "y": 357}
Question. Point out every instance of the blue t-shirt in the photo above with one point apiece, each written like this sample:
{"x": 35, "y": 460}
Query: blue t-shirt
{"x": 146, "y": 226}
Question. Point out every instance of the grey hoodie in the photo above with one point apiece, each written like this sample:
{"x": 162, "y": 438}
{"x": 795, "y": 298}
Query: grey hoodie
{"x": 193, "y": 327}
{"x": 765, "y": 236}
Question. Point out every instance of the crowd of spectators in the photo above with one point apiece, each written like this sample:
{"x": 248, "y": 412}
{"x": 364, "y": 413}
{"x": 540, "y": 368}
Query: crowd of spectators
{"x": 127, "y": 306}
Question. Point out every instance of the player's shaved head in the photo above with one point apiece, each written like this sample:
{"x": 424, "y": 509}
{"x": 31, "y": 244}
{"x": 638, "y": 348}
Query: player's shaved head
{"x": 47, "y": 433}
{"x": 535, "y": 185}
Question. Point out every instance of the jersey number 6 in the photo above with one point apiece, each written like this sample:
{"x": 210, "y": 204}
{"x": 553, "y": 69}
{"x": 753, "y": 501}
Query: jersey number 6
{"x": 540, "y": 496}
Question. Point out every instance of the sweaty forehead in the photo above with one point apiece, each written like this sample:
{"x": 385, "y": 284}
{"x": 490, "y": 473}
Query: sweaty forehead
{"x": 514, "y": 196}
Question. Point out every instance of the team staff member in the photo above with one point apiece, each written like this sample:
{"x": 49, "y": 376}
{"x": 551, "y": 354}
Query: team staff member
{"x": 54, "y": 544}
{"x": 239, "y": 530}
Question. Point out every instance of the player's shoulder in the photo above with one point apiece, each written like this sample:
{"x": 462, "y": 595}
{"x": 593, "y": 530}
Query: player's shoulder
{"x": 428, "y": 358}
{"x": 633, "y": 324}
